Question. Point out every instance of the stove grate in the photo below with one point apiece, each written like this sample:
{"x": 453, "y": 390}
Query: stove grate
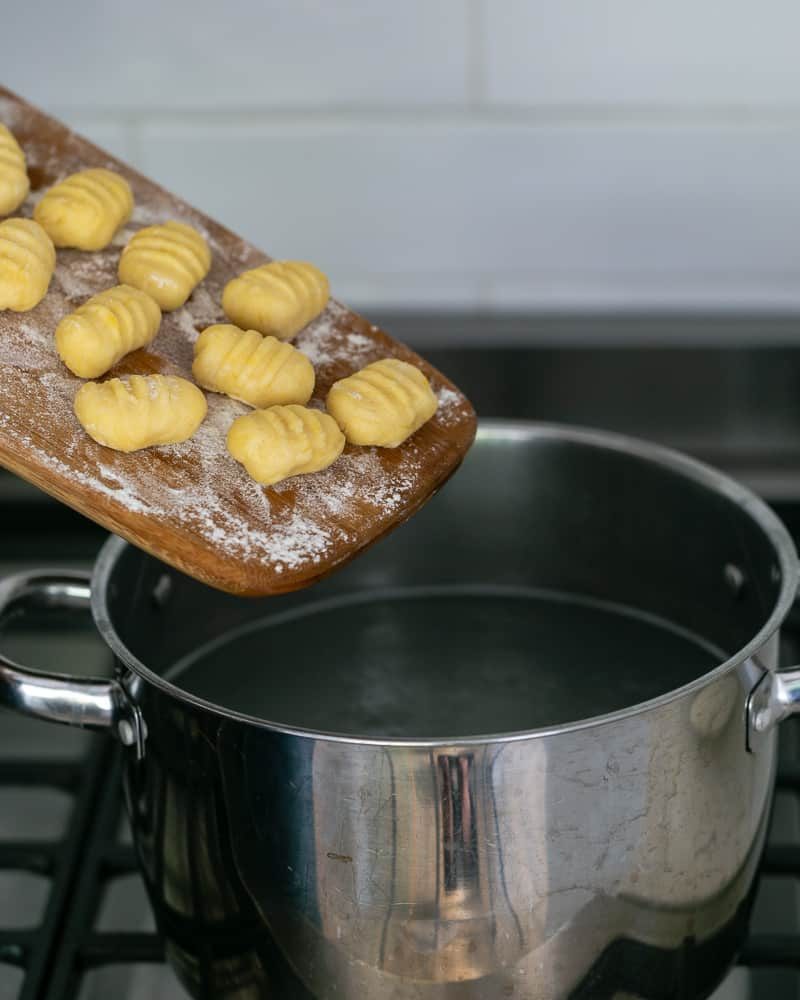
{"x": 54, "y": 955}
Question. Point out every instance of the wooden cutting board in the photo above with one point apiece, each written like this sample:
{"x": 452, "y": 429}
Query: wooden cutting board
{"x": 191, "y": 504}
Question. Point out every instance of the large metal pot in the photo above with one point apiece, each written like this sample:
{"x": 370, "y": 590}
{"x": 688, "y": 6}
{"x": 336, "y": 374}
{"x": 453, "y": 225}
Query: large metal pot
{"x": 597, "y": 855}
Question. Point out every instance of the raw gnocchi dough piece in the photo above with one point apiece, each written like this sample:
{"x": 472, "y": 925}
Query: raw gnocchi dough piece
{"x": 140, "y": 411}
{"x": 278, "y": 298}
{"x": 14, "y": 183}
{"x": 106, "y": 328}
{"x": 85, "y": 209}
{"x": 167, "y": 262}
{"x": 383, "y": 404}
{"x": 284, "y": 441}
{"x": 260, "y": 371}
{"x": 27, "y": 261}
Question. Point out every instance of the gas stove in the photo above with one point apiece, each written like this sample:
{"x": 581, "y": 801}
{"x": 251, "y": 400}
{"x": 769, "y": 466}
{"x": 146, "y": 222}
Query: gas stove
{"x": 74, "y": 918}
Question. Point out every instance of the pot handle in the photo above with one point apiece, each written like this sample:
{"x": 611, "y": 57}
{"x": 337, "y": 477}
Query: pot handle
{"x": 89, "y": 702}
{"x": 775, "y": 697}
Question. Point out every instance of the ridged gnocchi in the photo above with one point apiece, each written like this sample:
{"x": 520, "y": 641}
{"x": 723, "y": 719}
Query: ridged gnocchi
{"x": 27, "y": 261}
{"x": 85, "y": 209}
{"x": 167, "y": 262}
{"x": 278, "y": 298}
{"x": 284, "y": 441}
{"x": 106, "y": 328}
{"x": 383, "y": 404}
{"x": 14, "y": 183}
{"x": 260, "y": 371}
{"x": 140, "y": 411}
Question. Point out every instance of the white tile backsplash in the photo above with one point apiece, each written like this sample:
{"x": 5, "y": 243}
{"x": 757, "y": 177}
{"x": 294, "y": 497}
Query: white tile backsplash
{"x": 459, "y": 153}
{"x": 431, "y": 291}
{"x": 541, "y": 213}
{"x": 112, "y": 135}
{"x": 635, "y": 292}
{"x": 367, "y": 199}
{"x": 634, "y": 53}
{"x": 243, "y": 54}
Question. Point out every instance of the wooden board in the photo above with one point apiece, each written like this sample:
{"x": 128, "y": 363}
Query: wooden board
{"x": 191, "y": 504}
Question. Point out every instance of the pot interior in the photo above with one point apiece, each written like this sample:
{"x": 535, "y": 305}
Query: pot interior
{"x": 557, "y": 577}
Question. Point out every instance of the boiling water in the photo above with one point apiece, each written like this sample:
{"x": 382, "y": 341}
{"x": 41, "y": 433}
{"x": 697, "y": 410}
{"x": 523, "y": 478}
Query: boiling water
{"x": 440, "y": 663}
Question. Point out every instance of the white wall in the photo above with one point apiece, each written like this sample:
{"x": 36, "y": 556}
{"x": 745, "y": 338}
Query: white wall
{"x": 494, "y": 154}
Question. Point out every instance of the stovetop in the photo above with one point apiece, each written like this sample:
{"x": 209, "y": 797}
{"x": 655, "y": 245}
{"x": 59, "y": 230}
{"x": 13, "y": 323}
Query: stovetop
{"x": 74, "y": 918}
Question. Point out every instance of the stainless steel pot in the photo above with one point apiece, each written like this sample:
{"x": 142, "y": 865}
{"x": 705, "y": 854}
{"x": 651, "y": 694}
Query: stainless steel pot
{"x": 596, "y": 855}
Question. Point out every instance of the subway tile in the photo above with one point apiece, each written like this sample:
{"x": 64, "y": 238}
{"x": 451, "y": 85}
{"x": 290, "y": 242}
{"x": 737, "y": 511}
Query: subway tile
{"x": 111, "y": 135}
{"x": 631, "y": 291}
{"x": 569, "y": 211}
{"x": 203, "y": 54}
{"x": 434, "y": 292}
{"x": 629, "y": 53}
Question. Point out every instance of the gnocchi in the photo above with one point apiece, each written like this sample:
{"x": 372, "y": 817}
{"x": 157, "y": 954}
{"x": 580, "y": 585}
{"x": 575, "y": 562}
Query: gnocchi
{"x": 14, "y": 183}
{"x": 383, "y": 404}
{"x": 140, "y": 411}
{"x": 106, "y": 328}
{"x": 85, "y": 209}
{"x": 167, "y": 262}
{"x": 261, "y": 371}
{"x": 278, "y": 298}
{"x": 284, "y": 441}
{"x": 27, "y": 261}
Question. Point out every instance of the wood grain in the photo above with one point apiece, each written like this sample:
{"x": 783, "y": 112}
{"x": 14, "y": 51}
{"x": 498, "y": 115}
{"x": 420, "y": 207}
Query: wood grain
{"x": 192, "y": 505}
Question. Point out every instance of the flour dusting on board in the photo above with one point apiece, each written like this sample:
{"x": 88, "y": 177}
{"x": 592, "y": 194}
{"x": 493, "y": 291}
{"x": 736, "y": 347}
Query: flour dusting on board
{"x": 194, "y": 495}
{"x": 324, "y": 344}
{"x": 451, "y": 405}
{"x": 10, "y": 113}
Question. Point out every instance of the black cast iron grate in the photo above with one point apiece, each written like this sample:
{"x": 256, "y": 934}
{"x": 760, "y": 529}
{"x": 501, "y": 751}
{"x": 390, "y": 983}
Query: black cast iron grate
{"x": 55, "y": 955}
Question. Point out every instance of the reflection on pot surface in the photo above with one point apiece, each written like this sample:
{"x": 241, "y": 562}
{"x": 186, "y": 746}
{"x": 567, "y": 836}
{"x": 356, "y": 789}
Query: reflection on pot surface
{"x": 621, "y": 855}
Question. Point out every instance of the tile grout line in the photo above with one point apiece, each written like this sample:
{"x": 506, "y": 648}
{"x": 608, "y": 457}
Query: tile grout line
{"x": 477, "y": 114}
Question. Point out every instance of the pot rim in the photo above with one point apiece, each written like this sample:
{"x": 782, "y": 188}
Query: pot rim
{"x": 511, "y": 430}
